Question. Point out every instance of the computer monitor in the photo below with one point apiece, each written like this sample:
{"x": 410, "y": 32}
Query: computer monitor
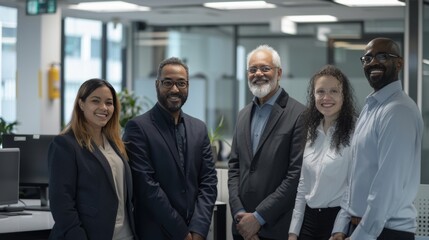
{"x": 33, "y": 163}
{"x": 9, "y": 176}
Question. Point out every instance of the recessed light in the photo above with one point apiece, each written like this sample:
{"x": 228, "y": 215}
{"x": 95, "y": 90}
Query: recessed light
{"x": 312, "y": 18}
{"x": 239, "y": 5}
{"x": 109, "y": 6}
{"x": 370, "y": 3}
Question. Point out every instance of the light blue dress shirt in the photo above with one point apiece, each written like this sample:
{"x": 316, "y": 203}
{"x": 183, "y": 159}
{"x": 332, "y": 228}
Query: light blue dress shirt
{"x": 260, "y": 116}
{"x": 385, "y": 168}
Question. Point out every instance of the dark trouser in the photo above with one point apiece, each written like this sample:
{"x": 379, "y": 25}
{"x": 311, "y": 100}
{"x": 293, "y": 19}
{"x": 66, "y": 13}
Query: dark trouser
{"x": 318, "y": 223}
{"x": 390, "y": 234}
{"x": 239, "y": 237}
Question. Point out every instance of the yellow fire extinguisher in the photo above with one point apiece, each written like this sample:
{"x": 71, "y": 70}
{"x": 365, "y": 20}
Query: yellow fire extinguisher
{"x": 54, "y": 82}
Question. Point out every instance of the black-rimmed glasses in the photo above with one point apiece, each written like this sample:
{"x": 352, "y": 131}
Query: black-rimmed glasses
{"x": 381, "y": 57}
{"x": 170, "y": 83}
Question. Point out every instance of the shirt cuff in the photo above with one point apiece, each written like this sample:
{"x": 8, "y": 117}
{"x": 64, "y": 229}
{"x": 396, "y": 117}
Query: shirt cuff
{"x": 259, "y": 218}
{"x": 359, "y": 233}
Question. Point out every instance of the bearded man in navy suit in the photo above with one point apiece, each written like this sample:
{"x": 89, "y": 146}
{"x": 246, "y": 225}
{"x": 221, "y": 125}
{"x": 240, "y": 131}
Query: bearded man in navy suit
{"x": 171, "y": 162}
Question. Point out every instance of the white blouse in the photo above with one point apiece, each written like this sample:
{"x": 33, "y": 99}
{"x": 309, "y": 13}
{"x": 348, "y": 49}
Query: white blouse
{"x": 122, "y": 226}
{"x": 323, "y": 177}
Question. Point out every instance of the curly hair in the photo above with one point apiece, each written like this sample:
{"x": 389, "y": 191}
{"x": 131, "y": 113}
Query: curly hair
{"x": 346, "y": 120}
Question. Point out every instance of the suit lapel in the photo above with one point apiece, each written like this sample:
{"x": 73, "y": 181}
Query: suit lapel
{"x": 247, "y": 130}
{"x": 127, "y": 172}
{"x": 276, "y": 113}
{"x": 162, "y": 126}
{"x": 104, "y": 163}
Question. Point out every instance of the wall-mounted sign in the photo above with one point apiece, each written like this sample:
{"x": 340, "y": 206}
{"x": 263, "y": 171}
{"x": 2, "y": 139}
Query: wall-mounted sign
{"x": 36, "y": 7}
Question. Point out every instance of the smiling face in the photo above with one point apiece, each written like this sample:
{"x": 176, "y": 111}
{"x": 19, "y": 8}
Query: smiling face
{"x": 172, "y": 99}
{"x": 263, "y": 84}
{"x": 98, "y": 108}
{"x": 328, "y": 97}
{"x": 381, "y": 73}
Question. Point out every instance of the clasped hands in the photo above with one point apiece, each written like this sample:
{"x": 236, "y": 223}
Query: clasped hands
{"x": 339, "y": 236}
{"x": 194, "y": 236}
{"x": 247, "y": 225}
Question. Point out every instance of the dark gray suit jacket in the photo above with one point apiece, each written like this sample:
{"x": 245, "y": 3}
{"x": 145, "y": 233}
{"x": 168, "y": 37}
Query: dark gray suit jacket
{"x": 170, "y": 202}
{"x": 82, "y": 193}
{"x": 267, "y": 181}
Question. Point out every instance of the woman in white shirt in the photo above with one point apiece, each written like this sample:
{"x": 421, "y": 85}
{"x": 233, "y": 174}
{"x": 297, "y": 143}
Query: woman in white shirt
{"x": 329, "y": 121}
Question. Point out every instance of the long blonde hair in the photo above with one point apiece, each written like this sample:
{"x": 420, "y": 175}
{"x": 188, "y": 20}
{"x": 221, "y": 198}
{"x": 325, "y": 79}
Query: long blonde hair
{"x": 78, "y": 123}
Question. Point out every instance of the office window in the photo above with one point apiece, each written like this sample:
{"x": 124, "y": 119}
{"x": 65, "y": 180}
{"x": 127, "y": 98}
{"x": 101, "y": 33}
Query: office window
{"x": 209, "y": 53}
{"x": 73, "y": 46}
{"x": 82, "y": 58}
{"x": 115, "y": 48}
{"x": 425, "y": 97}
{"x": 95, "y": 48}
{"x": 8, "y": 24}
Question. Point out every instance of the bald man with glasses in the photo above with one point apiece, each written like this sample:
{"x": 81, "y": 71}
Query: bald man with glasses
{"x": 385, "y": 155}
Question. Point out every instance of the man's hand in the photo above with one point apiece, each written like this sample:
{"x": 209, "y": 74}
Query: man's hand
{"x": 254, "y": 237}
{"x": 292, "y": 236}
{"x": 247, "y": 226}
{"x": 188, "y": 237}
{"x": 196, "y": 236}
{"x": 338, "y": 236}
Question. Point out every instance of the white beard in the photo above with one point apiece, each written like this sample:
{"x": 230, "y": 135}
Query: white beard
{"x": 261, "y": 91}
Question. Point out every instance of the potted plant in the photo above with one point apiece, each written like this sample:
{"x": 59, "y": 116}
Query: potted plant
{"x": 131, "y": 106}
{"x": 6, "y": 128}
{"x": 215, "y": 137}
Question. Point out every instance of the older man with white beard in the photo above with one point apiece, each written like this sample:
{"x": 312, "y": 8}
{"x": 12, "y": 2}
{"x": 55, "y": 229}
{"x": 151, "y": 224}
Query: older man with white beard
{"x": 266, "y": 155}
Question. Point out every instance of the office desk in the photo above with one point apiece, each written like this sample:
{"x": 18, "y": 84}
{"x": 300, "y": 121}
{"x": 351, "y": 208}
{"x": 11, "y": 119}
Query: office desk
{"x": 38, "y": 225}
{"x": 25, "y": 227}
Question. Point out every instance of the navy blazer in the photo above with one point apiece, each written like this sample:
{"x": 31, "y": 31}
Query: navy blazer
{"x": 170, "y": 202}
{"x": 267, "y": 181}
{"x": 82, "y": 194}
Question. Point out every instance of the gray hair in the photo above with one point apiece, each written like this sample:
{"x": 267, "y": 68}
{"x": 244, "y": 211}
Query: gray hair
{"x": 265, "y": 47}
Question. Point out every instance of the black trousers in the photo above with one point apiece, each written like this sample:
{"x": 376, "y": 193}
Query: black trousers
{"x": 390, "y": 234}
{"x": 318, "y": 223}
{"x": 239, "y": 237}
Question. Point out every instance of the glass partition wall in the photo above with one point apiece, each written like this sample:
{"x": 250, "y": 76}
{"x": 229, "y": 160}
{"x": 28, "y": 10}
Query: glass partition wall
{"x": 425, "y": 94}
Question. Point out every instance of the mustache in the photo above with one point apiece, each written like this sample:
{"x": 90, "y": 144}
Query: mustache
{"x": 377, "y": 67}
{"x": 254, "y": 80}
{"x": 179, "y": 95}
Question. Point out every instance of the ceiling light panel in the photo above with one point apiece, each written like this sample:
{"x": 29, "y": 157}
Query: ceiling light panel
{"x": 239, "y": 5}
{"x": 312, "y": 18}
{"x": 109, "y": 6}
{"x": 370, "y": 3}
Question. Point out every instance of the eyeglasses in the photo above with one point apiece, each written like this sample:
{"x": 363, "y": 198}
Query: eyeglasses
{"x": 170, "y": 83}
{"x": 334, "y": 92}
{"x": 381, "y": 57}
{"x": 263, "y": 69}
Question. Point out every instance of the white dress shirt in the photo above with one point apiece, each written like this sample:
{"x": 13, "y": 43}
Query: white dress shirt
{"x": 323, "y": 177}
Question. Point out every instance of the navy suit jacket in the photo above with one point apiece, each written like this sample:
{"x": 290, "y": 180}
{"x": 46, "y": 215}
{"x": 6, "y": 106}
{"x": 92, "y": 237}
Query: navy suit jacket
{"x": 170, "y": 201}
{"x": 82, "y": 194}
{"x": 267, "y": 181}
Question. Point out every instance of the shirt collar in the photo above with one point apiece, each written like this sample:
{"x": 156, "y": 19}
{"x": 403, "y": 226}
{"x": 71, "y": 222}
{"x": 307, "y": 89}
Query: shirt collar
{"x": 167, "y": 116}
{"x": 270, "y": 101}
{"x": 384, "y": 93}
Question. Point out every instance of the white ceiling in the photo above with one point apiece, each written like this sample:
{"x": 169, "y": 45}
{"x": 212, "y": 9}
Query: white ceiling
{"x": 191, "y": 12}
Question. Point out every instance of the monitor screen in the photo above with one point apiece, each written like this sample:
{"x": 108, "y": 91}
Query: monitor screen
{"x": 33, "y": 161}
{"x": 9, "y": 176}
